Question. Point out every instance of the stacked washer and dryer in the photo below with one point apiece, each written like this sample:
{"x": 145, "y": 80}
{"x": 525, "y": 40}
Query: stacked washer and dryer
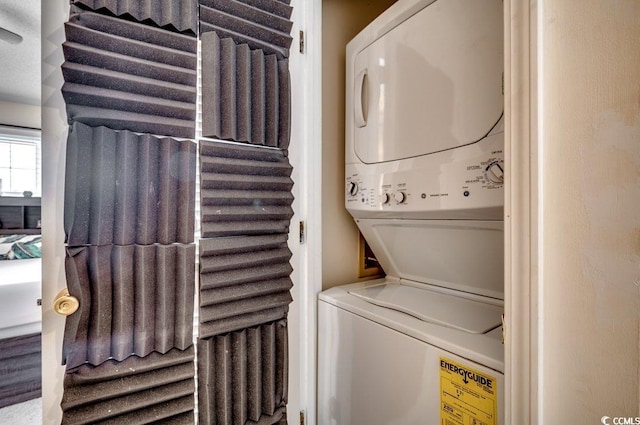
{"x": 424, "y": 183}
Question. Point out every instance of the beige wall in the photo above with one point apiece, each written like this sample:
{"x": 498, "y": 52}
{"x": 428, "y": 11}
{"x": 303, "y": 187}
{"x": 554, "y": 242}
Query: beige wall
{"x": 589, "y": 211}
{"x": 20, "y": 115}
{"x": 341, "y": 21}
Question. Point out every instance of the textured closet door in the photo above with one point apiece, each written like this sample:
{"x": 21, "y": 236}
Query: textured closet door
{"x": 246, "y": 198}
{"x": 129, "y": 211}
{"x": 130, "y": 90}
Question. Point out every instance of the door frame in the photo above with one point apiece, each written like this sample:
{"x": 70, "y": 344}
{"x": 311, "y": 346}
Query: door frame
{"x": 306, "y": 157}
{"x": 54, "y": 136}
{"x": 522, "y": 123}
{"x": 521, "y": 76}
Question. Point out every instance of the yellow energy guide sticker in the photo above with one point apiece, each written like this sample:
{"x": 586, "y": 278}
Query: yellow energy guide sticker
{"x": 467, "y": 397}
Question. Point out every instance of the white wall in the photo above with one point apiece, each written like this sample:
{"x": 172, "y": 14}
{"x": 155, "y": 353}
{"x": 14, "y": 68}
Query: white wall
{"x": 20, "y": 115}
{"x": 341, "y": 21}
{"x": 588, "y": 212}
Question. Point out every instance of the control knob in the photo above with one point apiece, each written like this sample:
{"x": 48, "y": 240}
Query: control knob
{"x": 495, "y": 173}
{"x": 353, "y": 188}
{"x": 385, "y": 198}
{"x": 400, "y": 197}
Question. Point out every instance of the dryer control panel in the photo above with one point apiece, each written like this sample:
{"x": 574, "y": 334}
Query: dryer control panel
{"x": 461, "y": 183}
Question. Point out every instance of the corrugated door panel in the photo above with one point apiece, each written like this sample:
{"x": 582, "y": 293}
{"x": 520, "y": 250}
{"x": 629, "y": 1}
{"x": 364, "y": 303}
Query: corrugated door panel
{"x": 244, "y": 190}
{"x": 20, "y": 364}
{"x": 244, "y": 281}
{"x": 126, "y": 188}
{"x": 129, "y": 197}
{"x": 134, "y": 299}
{"x": 154, "y": 389}
{"x": 130, "y": 92}
{"x": 242, "y": 376}
{"x": 178, "y": 15}
{"x": 245, "y": 93}
{"x": 284, "y": 105}
{"x": 126, "y": 75}
{"x": 262, "y": 24}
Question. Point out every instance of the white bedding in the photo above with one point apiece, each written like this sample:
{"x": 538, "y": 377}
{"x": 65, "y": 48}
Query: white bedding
{"x": 18, "y": 271}
{"x": 20, "y": 289}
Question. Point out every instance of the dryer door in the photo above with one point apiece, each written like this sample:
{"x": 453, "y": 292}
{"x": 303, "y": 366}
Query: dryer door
{"x": 431, "y": 83}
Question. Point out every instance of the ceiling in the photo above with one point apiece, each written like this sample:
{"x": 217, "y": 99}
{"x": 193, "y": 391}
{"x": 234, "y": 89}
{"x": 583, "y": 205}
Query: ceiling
{"x": 20, "y": 63}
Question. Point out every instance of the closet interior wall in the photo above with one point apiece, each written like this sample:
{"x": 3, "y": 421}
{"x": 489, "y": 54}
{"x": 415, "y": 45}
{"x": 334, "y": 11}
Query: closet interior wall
{"x": 341, "y": 21}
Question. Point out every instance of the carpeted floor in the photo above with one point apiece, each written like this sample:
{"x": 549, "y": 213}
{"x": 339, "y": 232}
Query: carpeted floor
{"x": 26, "y": 413}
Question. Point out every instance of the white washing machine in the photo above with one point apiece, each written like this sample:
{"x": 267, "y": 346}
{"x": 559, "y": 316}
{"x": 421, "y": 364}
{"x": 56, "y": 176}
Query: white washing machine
{"x": 424, "y": 183}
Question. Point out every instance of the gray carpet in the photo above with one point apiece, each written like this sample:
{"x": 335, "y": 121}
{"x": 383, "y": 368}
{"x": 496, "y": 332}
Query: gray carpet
{"x": 27, "y": 413}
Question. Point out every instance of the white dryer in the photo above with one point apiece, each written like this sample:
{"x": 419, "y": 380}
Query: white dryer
{"x": 424, "y": 183}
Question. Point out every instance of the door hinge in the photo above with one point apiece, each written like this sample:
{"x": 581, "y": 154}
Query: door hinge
{"x": 302, "y": 232}
{"x": 301, "y": 41}
{"x": 302, "y": 417}
{"x": 503, "y": 329}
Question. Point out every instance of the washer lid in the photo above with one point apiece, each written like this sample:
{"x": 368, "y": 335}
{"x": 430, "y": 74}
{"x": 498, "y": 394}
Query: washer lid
{"x": 462, "y": 255}
{"x": 435, "y": 307}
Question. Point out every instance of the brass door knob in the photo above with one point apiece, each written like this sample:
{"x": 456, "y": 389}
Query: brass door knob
{"x": 65, "y": 304}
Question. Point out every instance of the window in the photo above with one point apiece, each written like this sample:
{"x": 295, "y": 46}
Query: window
{"x": 19, "y": 161}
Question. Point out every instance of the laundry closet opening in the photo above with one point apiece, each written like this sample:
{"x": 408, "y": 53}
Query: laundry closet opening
{"x": 413, "y": 111}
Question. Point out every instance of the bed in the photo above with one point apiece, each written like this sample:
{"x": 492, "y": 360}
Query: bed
{"x": 20, "y": 277}
{"x": 20, "y": 289}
